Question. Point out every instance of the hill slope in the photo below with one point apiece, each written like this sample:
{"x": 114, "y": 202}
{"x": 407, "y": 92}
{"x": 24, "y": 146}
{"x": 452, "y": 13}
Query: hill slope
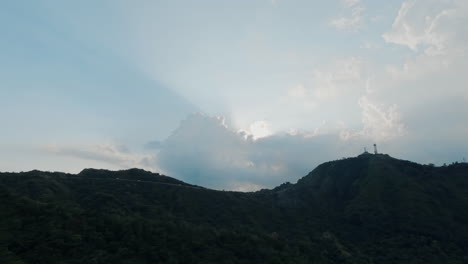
{"x": 367, "y": 209}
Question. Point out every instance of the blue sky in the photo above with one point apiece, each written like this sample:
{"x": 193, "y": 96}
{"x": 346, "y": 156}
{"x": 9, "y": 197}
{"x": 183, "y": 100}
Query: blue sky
{"x": 230, "y": 94}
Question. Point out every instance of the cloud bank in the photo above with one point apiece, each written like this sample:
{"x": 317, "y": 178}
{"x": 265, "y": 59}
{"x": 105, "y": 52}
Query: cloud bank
{"x": 414, "y": 110}
{"x": 205, "y": 151}
{"x": 406, "y": 92}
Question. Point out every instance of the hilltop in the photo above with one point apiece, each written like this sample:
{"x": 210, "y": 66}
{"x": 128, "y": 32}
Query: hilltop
{"x": 366, "y": 209}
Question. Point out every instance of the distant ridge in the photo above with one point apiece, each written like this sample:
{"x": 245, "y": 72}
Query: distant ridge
{"x": 372, "y": 208}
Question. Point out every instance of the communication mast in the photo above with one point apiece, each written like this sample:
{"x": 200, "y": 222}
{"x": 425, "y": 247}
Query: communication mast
{"x": 375, "y": 149}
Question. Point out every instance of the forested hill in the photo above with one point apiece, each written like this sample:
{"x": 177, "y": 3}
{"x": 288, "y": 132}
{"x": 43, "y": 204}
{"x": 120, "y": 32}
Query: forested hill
{"x": 366, "y": 209}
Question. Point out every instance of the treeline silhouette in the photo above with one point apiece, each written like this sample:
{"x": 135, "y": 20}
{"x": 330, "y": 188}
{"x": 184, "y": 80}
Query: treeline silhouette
{"x": 367, "y": 209}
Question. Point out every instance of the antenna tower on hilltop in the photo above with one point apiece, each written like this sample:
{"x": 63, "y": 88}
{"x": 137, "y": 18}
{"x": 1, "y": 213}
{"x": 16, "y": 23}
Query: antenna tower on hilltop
{"x": 375, "y": 149}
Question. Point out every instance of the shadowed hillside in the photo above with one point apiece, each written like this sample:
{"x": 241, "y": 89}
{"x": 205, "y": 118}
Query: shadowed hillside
{"x": 367, "y": 209}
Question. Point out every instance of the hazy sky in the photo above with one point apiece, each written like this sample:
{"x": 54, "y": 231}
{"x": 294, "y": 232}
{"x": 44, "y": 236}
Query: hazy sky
{"x": 230, "y": 94}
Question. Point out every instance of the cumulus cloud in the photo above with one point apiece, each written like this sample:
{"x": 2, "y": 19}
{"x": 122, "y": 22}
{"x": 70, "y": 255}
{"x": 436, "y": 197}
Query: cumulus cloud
{"x": 344, "y": 89}
{"x": 422, "y": 100}
{"x": 431, "y": 25}
{"x": 394, "y": 108}
{"x": 259, "y": 129}
{"x": 353, "y": 108}
{"x": 380, "y": 123}
{"x": 435, "y": 30}
{"x": 204, "y": 151}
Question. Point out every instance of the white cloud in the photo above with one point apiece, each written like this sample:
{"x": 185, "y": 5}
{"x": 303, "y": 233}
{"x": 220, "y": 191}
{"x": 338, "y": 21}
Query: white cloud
{"x": 380, "y": 123}
{"x": 421, "y": 101}
{"x": 260, "y": 129}
{"x": 352, "y": 22}
{"x": 202, "y": 151}
{"x": 330, "y": 97}
{"x": 431, "y": 25}
{"x": 245, "y": 186}
{"x": 436, "y": 31}
{"x": 420, "y": 104}
{"x": 111, "y": 154}
{"x": 401, "y": 33}
{"x": 395, "y": 110}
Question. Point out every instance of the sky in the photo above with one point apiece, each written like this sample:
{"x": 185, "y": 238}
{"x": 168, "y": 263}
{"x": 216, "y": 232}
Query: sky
{"x": 236, "y": 95}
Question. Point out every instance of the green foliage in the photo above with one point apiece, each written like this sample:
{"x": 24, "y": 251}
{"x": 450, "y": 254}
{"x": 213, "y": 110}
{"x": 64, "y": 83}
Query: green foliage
{"x": 368, "y": 209}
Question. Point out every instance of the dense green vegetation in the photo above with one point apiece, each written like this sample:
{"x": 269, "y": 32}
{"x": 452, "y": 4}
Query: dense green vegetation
{"x": 367, "y": 209}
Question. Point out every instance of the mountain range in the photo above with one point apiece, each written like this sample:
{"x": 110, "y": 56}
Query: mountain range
{"x": 372, "y": 208}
